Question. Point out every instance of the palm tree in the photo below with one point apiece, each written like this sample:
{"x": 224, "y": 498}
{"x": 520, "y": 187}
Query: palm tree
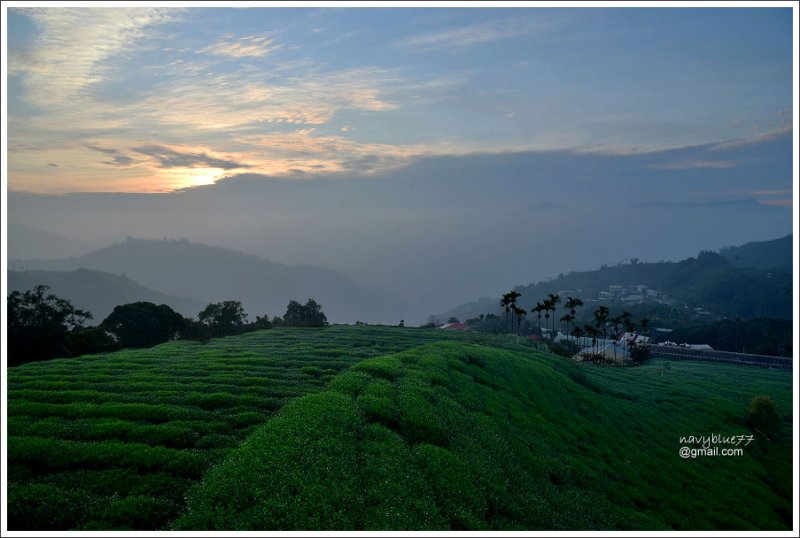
{"x": 538, "y": 309}
{"x": 627, "y": 322}
{"x": 513, "y": 295}
{"x": 572, "y": 304}
{"x": 591, "y": 331}
{"x": 554, "y": 300}
{"x": 600, "y": 319}
{"x": 568, "y": 319}
{"x": 577, "y": 332}
{"x": 519, "y": 313}
{"x": 505, "y": 302}
{"x": 546, "y": 306}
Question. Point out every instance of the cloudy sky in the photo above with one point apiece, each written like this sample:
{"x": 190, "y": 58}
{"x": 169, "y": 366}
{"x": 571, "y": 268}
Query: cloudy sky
{"x": 157, "y": 99}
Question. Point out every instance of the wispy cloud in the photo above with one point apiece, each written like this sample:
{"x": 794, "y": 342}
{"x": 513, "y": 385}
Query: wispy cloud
{"x": 780, "y": 202}
{"x": 741, "y": 142}
{"x": 226, "y": 102}
{"x": 172, "y": 158}
{"x": 686, "y": 165}
{"x": 305, "y": 150}
{"x": 117, "y": 157}
{"x": 73, "y": 47}
{"x": 244, "y": 47}
{"x": 474, "y": 34}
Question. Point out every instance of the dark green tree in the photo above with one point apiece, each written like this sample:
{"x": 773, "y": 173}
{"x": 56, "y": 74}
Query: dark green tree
{"x": 308, "y": 315}
{"x": 224, "y": 318}
{"x": 84, "y": 340}
{"x": 38, "y": 325}
{"x": 143, "y": 324}
{"x": 261, "y": 322}
{"x": 195, "y": 330}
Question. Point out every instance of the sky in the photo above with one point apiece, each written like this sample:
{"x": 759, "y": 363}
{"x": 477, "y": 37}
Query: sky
{"x": 157, "y": 99}
{"x": 441, "y": 153}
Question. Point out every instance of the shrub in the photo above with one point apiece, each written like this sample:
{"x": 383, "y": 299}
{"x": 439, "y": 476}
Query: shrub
{"x": 565, "y": 348}
{"x": 43, "y": 507}
{"x": 763, "y": 416}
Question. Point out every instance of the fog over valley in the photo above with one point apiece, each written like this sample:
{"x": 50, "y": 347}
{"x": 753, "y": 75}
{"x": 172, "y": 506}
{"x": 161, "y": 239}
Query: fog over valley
{"x": 442, "y": 230}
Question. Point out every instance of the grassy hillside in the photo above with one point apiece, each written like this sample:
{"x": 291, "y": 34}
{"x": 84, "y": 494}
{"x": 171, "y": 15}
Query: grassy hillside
{"x": 385, "y": 428}
{"x": 461, "y": 436}
{"x": 113, "y": 441}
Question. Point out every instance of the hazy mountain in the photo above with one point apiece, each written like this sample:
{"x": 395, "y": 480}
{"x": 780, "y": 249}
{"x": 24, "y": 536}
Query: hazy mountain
{"x": 773, "y": 255}
{"x": 210, "y": 274}
{"x": 442, "y": 229}
{"x": 97, "y": 291}
{"x": 31, "y": 242}
{"x": 709, "y": 281}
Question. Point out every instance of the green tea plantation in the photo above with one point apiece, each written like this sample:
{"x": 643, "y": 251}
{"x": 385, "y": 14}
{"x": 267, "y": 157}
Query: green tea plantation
{"x": 387, "y": 428}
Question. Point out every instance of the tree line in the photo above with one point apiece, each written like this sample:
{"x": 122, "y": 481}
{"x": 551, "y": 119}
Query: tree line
{"x": 43, "y": 326}
{"x": 543, "y": 321}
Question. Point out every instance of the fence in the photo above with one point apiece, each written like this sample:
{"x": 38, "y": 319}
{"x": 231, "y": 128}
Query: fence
{"x": 680, "y": 353}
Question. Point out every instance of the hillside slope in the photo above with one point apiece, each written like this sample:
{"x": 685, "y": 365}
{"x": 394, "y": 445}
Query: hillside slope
{"x": 775, "y": 255}
{"x": 97, "y": 291}
{"x": 104, "y": 442}
{"x": 463, "y": 436}
{"x": 210, "y": 274}
{"x": 709, "y": 281}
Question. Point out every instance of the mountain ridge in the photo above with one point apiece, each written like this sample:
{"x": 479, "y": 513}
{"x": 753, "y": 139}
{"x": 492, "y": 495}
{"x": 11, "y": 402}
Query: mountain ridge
{"x": 211, "y": 273}
{"x": 709, "y": 280}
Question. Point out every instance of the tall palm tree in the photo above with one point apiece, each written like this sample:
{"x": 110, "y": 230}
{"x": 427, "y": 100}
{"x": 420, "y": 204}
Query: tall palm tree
{"x": 513, "y": 295}
{"x": 572, "y": 303}
{"x": 592, "y": 332}
{"x": 505, "y": 302}
{"x": 546, "y": 306}
{"x": 600, "y": 319}
{"x": 568, "y": 319}
{"x": 554, "y": 300}
{"x": 519, "y": 313}
{"x": 538, "y": 309}
{"x": 627, "y": 322}
{"x": 577, "y": 332}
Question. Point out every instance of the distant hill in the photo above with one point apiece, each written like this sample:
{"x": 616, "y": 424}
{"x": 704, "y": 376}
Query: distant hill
{"x": 210, "y": 274}
{"x": 775, "y": 255}
{"x": 30, "y": 242}
{"x": 709, "y": 281}
{"x": 97, "y": 291}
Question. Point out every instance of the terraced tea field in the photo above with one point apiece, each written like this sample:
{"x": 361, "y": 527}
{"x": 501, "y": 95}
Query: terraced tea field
{"x": 387, "y": 428}
{"x": 113, "y": 441}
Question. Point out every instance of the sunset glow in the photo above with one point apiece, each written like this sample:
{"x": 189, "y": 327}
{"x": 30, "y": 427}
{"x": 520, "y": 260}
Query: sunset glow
{"x": 151, "y": 99}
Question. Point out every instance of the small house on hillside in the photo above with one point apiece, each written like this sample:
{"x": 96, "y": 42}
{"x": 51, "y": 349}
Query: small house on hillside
{"x": 627, "y": 338}
{"x": 454, "y": 327}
